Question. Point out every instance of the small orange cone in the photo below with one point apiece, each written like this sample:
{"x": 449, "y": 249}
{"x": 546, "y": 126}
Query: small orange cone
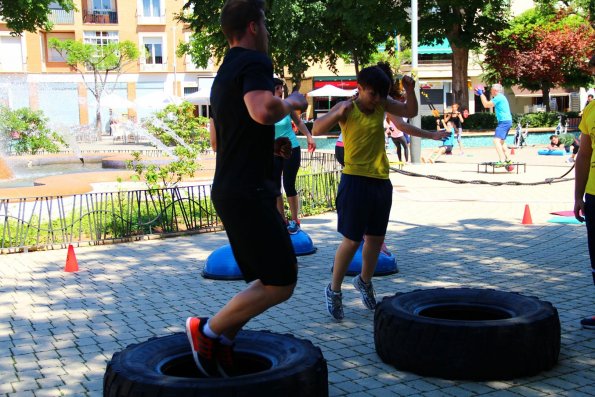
{"x": 511, "y": 151}
{"x": 71, "y": 263}
{"x": 527, "y": 216}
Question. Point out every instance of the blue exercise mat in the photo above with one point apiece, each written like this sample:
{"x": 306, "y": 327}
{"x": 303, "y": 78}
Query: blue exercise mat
{"x": 548, "y": 152}
{"x": 565, "y": 220}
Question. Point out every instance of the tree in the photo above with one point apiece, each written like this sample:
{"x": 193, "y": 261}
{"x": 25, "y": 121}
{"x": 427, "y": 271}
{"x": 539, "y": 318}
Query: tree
{"x": 30, "y": 127}
{"x": 297, "y": 34}
{"x": 101, "y": 60}
{"x": 302, "y": 32}
{"x": 465, "y": 23}
{"x": 541, "y": 51}
{"x": 30, "y": 16}
{"x": 358, "y": 28}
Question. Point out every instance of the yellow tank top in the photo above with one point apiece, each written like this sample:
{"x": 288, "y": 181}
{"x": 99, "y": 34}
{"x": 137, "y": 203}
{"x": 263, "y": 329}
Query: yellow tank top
{"x": 363, "y": 138}
{"x": 587, "y": 126}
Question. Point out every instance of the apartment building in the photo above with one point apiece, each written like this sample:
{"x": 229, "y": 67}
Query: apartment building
{"x": 33, "y": 75}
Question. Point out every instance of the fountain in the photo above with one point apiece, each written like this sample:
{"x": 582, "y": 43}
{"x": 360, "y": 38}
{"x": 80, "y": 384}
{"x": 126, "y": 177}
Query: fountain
{"x": 160, "y": 124}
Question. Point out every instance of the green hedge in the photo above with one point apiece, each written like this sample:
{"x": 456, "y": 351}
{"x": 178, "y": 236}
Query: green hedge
{"x": 487, "y": 121}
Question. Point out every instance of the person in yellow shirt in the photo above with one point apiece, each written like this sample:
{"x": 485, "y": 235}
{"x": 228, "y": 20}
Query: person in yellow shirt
{"x": 364, "y": 196}
{"x": 584, "y": 184}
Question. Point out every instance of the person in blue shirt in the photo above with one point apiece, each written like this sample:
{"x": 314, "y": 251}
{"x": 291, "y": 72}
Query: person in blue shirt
{"x": 447, "y": 144}
{"x": 285, "y": 170}
{"x": 503, "y": 115}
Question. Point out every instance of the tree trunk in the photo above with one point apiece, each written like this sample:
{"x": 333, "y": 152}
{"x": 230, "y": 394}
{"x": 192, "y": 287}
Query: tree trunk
{"x": 545, "y": 96}
{"x": 460, "y": 91}
{"x": 98, "y": 119}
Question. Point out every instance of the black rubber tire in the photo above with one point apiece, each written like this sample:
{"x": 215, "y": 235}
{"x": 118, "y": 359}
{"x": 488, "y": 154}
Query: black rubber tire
{"x": 464, "y": 333}
{"x": 285, "y": 365}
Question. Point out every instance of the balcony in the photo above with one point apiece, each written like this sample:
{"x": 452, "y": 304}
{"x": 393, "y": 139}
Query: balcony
{"x": 102, "y": 17}
{"x": 61, "y": 17}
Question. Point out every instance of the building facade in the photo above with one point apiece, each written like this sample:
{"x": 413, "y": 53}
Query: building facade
{"x": 33, "y": 75}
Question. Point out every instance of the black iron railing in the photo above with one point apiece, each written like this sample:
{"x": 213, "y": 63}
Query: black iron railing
{"x": 96, "y": 16}
{"x": 54, "y": 222}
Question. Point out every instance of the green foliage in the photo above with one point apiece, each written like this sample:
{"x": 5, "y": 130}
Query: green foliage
{"x": 30, "y": 15}
{"x": 30, "y": 127}
{"x": 301, "y": 32}
{"x": 465, "y": 23}
{"x": 538, "y": 120}
{"x": 181, "y": 120}
{"x": 488, "y": 121}
{"x": 167, "y": 175}
{"x": 543, "y": 48}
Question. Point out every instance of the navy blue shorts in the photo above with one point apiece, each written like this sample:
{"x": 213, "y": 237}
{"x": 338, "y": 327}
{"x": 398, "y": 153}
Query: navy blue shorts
{"x": 502, "y": 129}
{"x": 363, "y": 206}
{"x": 259, "y": 240}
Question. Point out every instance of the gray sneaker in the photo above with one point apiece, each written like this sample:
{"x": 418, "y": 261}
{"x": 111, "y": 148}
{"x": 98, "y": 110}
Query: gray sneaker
{"x": 334, "y": 303}
{"x": 367, "y": 292}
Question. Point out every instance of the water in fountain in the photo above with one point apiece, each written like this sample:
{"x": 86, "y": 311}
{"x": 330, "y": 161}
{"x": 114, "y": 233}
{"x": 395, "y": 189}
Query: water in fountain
{"x": 69, "y": 138}
{"x": 160, "y": 124}
{"x": 137, "y": 130}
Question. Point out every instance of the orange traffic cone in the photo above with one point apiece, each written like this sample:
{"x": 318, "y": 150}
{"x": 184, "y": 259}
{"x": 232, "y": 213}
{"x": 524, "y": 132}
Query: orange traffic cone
{"x": 511, "y": 151}
{"x": 527, "y": 216}
{"x": 71, "y": 263}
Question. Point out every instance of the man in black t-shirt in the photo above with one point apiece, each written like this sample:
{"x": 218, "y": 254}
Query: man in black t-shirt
{"x": 244, "y": 111}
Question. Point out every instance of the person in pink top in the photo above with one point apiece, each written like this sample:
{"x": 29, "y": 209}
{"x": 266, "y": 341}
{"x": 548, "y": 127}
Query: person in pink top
{"x": 397, "y": 136}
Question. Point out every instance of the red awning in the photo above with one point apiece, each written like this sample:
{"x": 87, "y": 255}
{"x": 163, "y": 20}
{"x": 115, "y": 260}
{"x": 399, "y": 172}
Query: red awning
{"x": 343, "y": 84}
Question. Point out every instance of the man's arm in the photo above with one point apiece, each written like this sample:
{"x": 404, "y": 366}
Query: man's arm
{"x": 267, "y": 109}
{"x": 484, "y": 101}
{"x": 213, "y": 134}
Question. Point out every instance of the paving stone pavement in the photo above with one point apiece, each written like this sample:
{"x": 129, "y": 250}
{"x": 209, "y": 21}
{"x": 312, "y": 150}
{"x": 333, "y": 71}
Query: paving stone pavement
{"x": 58, "y": 330}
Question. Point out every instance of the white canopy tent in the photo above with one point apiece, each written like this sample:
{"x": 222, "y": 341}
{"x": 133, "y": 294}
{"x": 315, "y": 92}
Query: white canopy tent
{"x": 200, "y": 97}
{"x": 114, "y": 101}
{"x": 157, "y": 100}
{"x": 330, "y": 91}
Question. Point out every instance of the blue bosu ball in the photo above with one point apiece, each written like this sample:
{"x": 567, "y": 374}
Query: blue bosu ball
{"x": 387, "y": 264}
{"x": 222, "y": 265}
{"x": 302, "y": 243}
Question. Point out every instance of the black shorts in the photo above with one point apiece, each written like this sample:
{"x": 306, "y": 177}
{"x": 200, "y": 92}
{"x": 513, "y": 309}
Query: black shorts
{"x": 363, "y": 206}
{"x": 259, "y": 240}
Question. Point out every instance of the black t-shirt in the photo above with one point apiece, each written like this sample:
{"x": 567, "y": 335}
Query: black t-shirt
{"x": 244, "y": 147}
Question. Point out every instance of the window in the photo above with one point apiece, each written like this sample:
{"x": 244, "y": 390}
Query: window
{"x": 52, "y": 54}
{"x": 102, "y": 5}
{"x": 153, "y": 50}
{"x": 54, "y": 5}
{"x": 152, "y": 8}
{"x": 100, "y": 38}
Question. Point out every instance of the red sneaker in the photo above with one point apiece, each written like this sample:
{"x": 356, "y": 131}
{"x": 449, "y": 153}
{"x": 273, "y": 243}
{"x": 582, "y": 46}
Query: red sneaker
{"x": 203, "y": 347}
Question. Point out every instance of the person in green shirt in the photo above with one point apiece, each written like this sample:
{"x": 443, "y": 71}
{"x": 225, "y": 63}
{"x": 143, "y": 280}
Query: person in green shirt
{"x": 364, "y": 196}
{"x": 584, "y": 184}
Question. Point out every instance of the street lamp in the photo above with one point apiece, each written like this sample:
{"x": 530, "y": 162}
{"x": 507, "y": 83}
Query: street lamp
{"x": 415, "y": 121}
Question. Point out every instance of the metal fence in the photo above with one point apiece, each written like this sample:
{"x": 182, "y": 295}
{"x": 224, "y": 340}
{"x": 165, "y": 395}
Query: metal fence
{"x": 54, "y": 222}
